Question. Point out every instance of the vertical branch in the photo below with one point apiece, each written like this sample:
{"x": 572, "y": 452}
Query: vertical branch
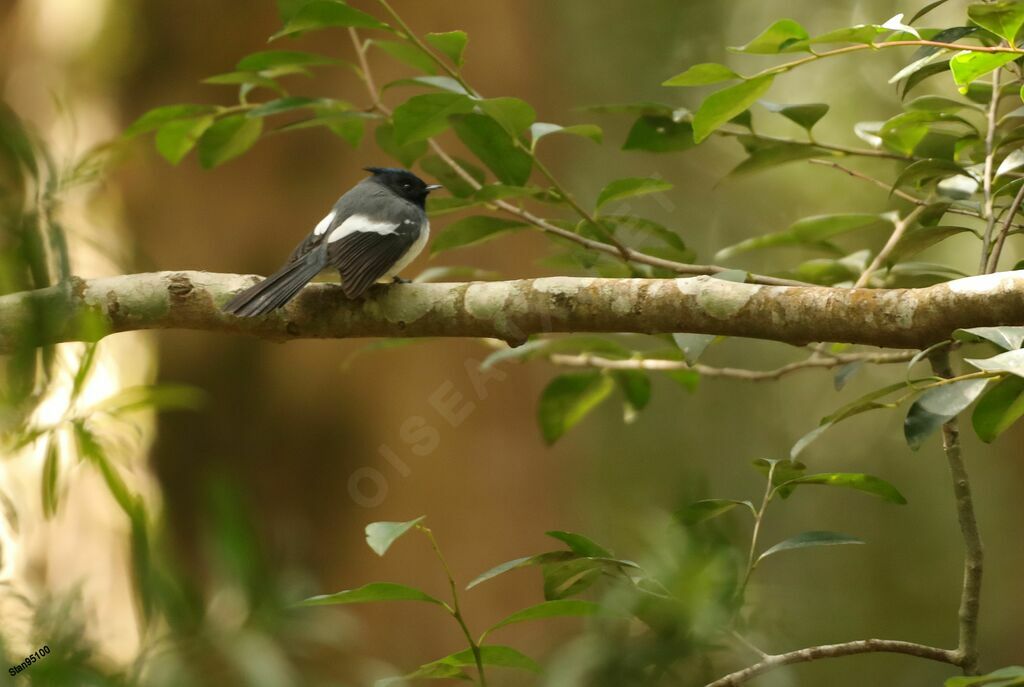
{"x": 970, "y": 597}
{"x": 988, "y": 211}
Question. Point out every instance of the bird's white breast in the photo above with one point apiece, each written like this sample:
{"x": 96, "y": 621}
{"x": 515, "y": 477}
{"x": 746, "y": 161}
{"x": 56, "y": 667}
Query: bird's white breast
{"x": 414, "y": 250}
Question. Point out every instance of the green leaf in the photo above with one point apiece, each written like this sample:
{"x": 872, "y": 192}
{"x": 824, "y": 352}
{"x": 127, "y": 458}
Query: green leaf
{"x": 157, "y": 117}
{"x": 636, "y": 226}
{"x": 526, "y": 561}
{"x": 441, "y": 83}
{"x": 381, "y": 535}
{"x": 938, "y": 405}
{"x": 852, "y": 480}
{"x": 452, "y": 44}
{"x": 452, "y": 180}
{"x": 861, "y": 33}
{"x": 539, "y": 130}
{"x": 90, "y": 449}
{"x": 1011, "y": 676}
{"x": 660, "y": 134}
{"x": 349, "y": 126}
{"x": 1011, "y": 361}
{"x": 514, "y": 115}
{"x": 567, "y": 399}
{"x": 805, "y": 116}
{"x": 470, "y": 231}
{"x": 274, "y": 59}
{"x": 772, "y": 154}
{"x": 777, "y": 38}
{"x": 809, "y": 539}
{"x": 706, "y": 509}
{"x": 175, "y": 138}
{"x": 408, "y": 54}
{"x": 296, "y": 102}
{"x": 250, "y": 79}
{"x": 324, "y": 14}
{"x": 784, "y": 471}
{"x": 375, "y": 591}
{"x": 560, "y": 608}
{"x": 50, "y": 477}
{"x": 227, "y": 139}
{"x": 999, "y": 408}
{"x": 490, "y": 655}
{"x": 721, "y": 106}
{"x": 407, "y": 154}
{"x": 809, "y": 231}
{"x": 630, "y": 187}
{"x": 423, "y": 116}
{"x": 580, "y": 544}
{"x": 968, "y": 66}
{"x": 636, "y": 387}
{"x": 1004, "y": 19}
{"x": 1007, "y": 338}
{"x": 494, "y": 147}
{"x": 703, "y": 75}
{"x": 152, "y": 397}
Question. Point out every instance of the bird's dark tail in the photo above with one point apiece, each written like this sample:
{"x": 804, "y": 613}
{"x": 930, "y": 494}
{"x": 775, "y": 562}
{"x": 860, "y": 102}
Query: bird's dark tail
{"x": 277, "y": 289}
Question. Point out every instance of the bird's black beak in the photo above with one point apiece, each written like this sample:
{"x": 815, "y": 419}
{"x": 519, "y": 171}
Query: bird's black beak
{"x": 433, "y": 187}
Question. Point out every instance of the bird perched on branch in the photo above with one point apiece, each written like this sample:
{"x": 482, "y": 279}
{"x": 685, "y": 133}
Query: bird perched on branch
{"x": 373, "y": 232}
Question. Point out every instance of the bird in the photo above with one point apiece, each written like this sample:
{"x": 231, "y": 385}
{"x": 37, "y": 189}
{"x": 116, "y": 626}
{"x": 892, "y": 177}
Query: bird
{"x": 373, "y": 232}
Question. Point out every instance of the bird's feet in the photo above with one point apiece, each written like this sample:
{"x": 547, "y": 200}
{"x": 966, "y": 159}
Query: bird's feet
{"x": 399, "y": 280}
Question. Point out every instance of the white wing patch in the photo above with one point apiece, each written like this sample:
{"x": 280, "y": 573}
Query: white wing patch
{"x": 323, "y": 225}
{"x": 361, "y": 223}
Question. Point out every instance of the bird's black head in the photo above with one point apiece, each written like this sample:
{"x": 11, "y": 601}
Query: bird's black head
{"x": 402, "y": 183}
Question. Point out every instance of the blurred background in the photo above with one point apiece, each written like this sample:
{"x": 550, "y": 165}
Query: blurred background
{"x": 299, "y": 446}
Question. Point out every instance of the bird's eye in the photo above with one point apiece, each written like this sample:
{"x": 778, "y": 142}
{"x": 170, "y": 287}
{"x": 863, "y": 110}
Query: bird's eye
{"x": 406, "y": 185}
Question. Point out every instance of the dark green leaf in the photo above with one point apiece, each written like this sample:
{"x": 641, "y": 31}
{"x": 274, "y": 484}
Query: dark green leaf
{"x": 539, "y": 130}
{"x": 526, "y": 561}
{"x": 375, "y": 591}
{"x": 349, "y": 126}
{"x": 808, "y": 539}
{"x": 580, "y": 544}
{"x": 632, "y": 226}
{"x": 452, "y": 44}
{"x": 472, "y": 230}
{"x": 630, "y": 187}
{"x": 1011, "y": 676}
{"x": 381, "y": 535}
{"x": 251, "y": 79}
{"x": 272, "y": 59}
{"x": 514, "y": 115}
{"x": 490, "y": 655}
{"x": 703, "y": 75}
{"x": 152, "y": 397}
{"x": 296, "y": 102}
{"x": 406, "y": 154}
{"x": 926, "y": 9}
{"x": 783, "y": 471}
{"x": 494, "y": 147}
{"x": 408, "y": 54}
{"x": 323, "y": 14}
{"x": 721, "y": 106}
{"x": 568, "y": 398}
{"x": 918, "y": 174}
{"x": 1007, "y": 338}
{"x": 699, "y": 511}
{"x": 765, "y": 156}
{"x": 560, "y": 608}
{"x": 50, "y": 477}
{"x": 90, "y": 449}
{"x": 157, "y": 117}
{"x": 809, "y": 231}
{"x": 441, "y": 83}
{"x": 852, "y": 480}
{"x": 999, "y": 408}
{"x": 922, "y": 74}
{"x": 805, "y": 116}
{"x": 1004, "y": 19}
{"x": 779, "y": 37}
{"x": 1011, "y": 361}
{"x": 423, "y": 116}
{"x": 660, "y": 134}
{"x": 227, "y": 139}
{"x": 175, "y": 138}
{"x": 636, "y": 387}
{"x": 938, "y": 405}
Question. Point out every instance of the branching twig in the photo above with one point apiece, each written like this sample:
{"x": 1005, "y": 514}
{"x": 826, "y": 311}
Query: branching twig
{"x": 587, "y": 360}
{"x": 970, "y": 598}
{"x": 864, "y": 646}
{"x": 897, "y": 233}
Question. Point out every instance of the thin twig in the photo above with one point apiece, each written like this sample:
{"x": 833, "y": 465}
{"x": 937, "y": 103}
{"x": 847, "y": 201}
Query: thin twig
{"x": 835, "y": 360}
{"x": 997, "y": 248}
{"x": 890, "y": 245}
{"x": 540, "y": 223}
{"x": 988, "y": 210}
{"x": 970, "y": 597}
{"x": 863, "y": 646}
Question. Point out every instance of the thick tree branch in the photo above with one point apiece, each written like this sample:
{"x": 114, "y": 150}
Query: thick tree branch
{"x": 83, "y": 310}
{"x": 864, "y": 646}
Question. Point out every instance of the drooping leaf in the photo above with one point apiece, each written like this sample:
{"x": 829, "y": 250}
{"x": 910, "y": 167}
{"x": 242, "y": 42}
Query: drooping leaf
{"x": 630, "y": 187}
{"x": 938, "y": 405}
{"x": 296, "y": 102}
{"x": 766, "y": 155}
{"x": 779, "y": 37}
{"x": 568, "y": 398}
{"x": 375, "y": 591}
{"x": 539, "y": 130}
{"x": 452, "y": 44}
{"x": 1011, "y": 361}
{"x": 560, "y": 608}
{"x": 51, "y": 477}
{"x": 526, "y": 561}
{"x": 494, "y": 147}
{"x": 227, "y": 139}
{"x": 1011, "y": 676}
{"x": 706, "y": 509}
{"x": 721, "y": 106}
{"x": 381, "y": 535}
{"x": 809, "y": 231}
{"x": 809, "y": 539}
{"x": 968, "y": 66}
{"x": 472, "y": 230}
{"x": 636, "y": 388}
{"x": 660, "y": 134}
{"x": 347, "y": 125}
{"x": 325, "y": 14}
{"x": 703, "y": 75}
{"x": 1007, "y": 338}
{"x": 805, "y": 116}
{"x": 423, "y": 116}
{"x": 580, "y": 544}
{"x": 999, "y": 408}
{"x": 1004, "y": 19}
{"x": 159, "y": 116}
{"x": 490, "y": 655}
{"x": 274, "y": 59}
{"x": 91, "y": 450}
{"x": 852, "y": 480}
{"x": 152, "y": 397}
{"x": 176, "y": 138}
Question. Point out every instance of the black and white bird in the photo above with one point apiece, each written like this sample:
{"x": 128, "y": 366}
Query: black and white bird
{"x": 373, "y": 232}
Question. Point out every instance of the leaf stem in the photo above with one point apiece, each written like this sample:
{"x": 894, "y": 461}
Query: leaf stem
{"x": 769, "y": 492}
{"x": 997, "y": 248}
{"x": 454, "y": 608}
{"x": 890, "y": 245}
{"x": 988, "y": 211}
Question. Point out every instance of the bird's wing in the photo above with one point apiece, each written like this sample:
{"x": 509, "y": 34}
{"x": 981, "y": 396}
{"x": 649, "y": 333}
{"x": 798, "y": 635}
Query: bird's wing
{"x": 363, "y": 249}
